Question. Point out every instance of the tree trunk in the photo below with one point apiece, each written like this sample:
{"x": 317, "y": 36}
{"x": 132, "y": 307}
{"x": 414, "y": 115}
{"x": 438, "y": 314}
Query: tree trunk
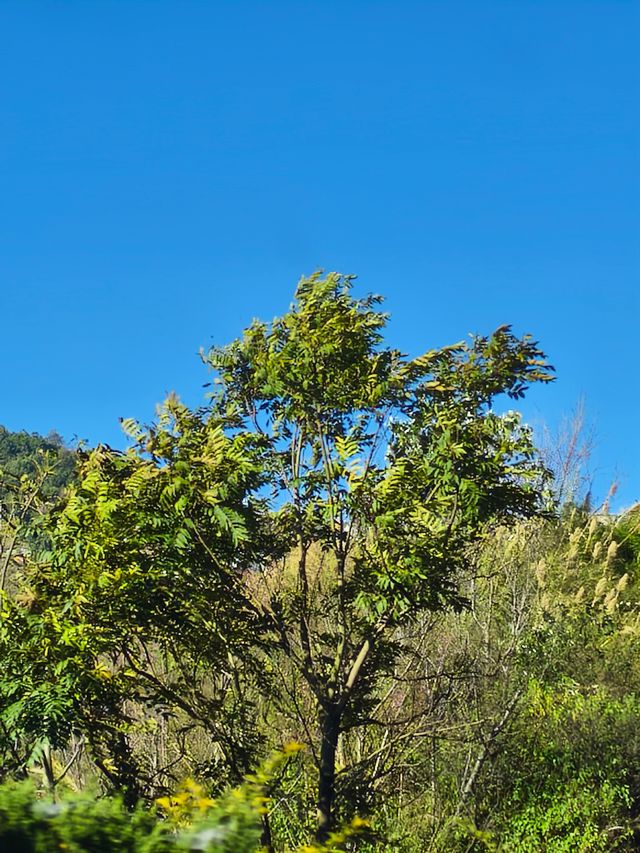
{"x": 487, "y": 746}
{"x": 266, "y": 841}
{"x": 47, "y": 766}
{"x": 327, "y": 777}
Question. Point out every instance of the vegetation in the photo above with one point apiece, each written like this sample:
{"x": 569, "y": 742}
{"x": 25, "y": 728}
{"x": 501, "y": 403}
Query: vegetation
{"x": 347, "y": 550}
{"x": 27, "y": 454}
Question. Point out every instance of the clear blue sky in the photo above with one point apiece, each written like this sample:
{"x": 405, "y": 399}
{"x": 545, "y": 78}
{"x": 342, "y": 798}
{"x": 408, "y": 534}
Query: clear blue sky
{"x": 169, "y": 168}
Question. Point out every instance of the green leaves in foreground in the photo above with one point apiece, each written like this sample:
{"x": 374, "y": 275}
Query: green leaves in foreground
{"x": 189, "y": 820}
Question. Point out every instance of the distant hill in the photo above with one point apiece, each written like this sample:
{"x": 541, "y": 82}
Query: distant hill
{"x": 24, "y": 452}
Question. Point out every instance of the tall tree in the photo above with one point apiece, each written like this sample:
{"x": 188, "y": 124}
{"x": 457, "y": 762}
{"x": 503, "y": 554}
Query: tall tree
{"x": 389, "y": 467}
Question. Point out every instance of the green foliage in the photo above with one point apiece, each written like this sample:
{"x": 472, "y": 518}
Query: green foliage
{"x": 392, "y": 468}
{"x": 79, "y": 824}
{"x": 348, "y": 548}
{"x": 566, "y": 776}
{"x": 188, "y": 820}
{"x": 142, "y": 557}
{"x": 580, "y": 752}
{"x": 579, "y": 815}
{"x": 24, "y": 454}
{"x": 627, "y": 537}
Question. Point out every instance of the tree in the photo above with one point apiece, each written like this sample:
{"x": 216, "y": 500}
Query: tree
{"x": 135, "y": 615}
{"x": 391, "y": 467}
{"x": 33, "y": 476}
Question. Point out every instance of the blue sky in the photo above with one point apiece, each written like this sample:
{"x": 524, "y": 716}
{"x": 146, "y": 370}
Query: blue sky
{"x": 169, "y": 169}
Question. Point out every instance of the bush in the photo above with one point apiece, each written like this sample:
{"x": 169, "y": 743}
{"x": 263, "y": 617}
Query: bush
{"x": 577, "y": 817}
{"x": 187, "y": 821}
{"x": 76, "y": 824}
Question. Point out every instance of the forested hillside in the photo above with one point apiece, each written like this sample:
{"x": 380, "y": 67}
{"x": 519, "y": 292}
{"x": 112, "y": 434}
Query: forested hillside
{"x": 344, "y": 605}
{"x": 32, "y": 455}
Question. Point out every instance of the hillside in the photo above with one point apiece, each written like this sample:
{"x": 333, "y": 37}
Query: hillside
{"x": 26, "y": 453}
